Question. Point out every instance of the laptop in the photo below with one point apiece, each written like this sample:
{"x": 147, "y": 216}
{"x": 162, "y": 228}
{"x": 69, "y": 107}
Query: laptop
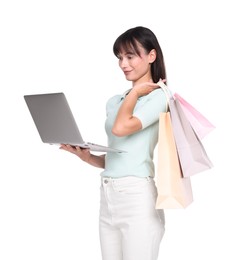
{"x": 55, "y": 123}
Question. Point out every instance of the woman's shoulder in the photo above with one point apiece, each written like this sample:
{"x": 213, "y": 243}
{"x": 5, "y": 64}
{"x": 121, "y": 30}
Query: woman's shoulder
{"x": 113, "y": 101}
{"x": 117, "y": 98}
{"x": 157, "y": 93}
{"x": 158, "y": 99}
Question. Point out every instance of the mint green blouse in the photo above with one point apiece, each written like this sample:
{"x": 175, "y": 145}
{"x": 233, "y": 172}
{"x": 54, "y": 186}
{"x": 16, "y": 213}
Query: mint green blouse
{"x": 139, "y": 147}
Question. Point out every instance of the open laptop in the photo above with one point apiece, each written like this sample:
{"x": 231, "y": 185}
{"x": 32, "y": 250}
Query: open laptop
{"x": 55, "y": 123}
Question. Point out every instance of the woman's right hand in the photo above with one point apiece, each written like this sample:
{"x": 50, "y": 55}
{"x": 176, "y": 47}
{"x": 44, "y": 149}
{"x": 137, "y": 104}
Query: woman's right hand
{"x": 83, "y": 153}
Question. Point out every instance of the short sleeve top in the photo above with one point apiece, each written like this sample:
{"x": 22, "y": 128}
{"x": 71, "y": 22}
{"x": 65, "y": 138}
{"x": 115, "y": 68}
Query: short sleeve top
{"x": 139, "y": 147}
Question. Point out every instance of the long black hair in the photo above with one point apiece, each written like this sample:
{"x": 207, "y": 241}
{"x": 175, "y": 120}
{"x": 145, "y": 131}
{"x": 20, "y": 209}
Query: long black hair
{"x": 128, "y": 41}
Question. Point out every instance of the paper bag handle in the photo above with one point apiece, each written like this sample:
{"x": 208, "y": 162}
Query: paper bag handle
{"x": 167, "y": 92}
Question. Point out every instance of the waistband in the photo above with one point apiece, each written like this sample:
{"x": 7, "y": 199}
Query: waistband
{"x": 123, "y": 180}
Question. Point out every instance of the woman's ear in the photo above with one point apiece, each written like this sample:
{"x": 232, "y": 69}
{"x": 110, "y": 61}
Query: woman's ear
{"x": 152, "y": 55}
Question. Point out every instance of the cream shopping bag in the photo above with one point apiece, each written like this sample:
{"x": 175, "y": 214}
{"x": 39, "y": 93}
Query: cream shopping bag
{"x": 174, "y": 191}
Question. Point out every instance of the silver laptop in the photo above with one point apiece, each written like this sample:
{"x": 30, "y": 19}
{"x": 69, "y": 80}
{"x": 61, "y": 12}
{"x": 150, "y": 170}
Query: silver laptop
{"x": 55, "y": 123}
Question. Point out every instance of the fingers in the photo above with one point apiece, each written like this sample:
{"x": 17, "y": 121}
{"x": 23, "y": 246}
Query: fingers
{"x": 70, "y": 148}
{"x": 153, "y": 86}
{"x": 145, "y": 88}
{"x": 65, "y": 147}
{"x": 73, "y": 149}
{"x": 77, "y": 148}
{"x": 164, "y": 80}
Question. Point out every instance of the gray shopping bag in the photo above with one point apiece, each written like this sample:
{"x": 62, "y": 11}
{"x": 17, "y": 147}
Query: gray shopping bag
{"x": 192, "y": 154}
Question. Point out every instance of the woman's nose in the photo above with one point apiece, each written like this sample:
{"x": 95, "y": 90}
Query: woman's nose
{"x": 123, "y": 63}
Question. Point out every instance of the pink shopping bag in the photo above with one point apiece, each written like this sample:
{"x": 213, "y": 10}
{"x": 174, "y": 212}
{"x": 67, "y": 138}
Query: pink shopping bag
{"x": 192, "y": 155}
{"x": 201, "y": 125}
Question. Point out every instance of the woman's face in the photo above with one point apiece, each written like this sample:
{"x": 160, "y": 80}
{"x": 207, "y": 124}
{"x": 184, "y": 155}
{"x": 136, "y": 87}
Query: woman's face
{"x": 137, "y": 68}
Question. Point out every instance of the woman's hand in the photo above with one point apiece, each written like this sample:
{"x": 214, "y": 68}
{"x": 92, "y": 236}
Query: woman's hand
{"x": 145, "y": 88}
{"x": 83, "y": 153}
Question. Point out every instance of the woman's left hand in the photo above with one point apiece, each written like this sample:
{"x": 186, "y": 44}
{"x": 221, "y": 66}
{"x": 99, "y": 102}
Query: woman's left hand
{"x": 145, "y": 88}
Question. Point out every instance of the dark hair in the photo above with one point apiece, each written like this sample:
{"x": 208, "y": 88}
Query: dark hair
{"x": 128, "y": 41}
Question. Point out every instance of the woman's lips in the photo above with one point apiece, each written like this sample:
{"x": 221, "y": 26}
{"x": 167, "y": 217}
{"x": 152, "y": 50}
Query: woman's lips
{"x": 126, "y": 72}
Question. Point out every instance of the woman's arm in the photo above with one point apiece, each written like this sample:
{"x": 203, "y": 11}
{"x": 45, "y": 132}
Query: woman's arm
{"x": 126, "y": 123}
{"x": 85, "y": 155}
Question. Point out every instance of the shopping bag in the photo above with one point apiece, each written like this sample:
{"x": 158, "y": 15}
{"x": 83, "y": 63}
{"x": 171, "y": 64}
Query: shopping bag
{"x": 174, "y": 191}
{"x": 201, "y": 125}
{"x": 192, "y": 154}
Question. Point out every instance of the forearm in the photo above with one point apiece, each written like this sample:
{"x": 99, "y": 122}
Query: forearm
{"x": 126, "y": 110}
{"x": 125, "y": 123}
{"x": 96, "y": 160}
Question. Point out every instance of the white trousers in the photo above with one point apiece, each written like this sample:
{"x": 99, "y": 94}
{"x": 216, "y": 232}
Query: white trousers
{"x": 129, "y": 225}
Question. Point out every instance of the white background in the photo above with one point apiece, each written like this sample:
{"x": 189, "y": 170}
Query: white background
{"x": 49, "y": 199}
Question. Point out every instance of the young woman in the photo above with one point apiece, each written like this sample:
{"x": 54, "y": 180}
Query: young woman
{"x": 130, "y": 226}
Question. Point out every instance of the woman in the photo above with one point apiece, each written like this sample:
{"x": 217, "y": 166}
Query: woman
{"x": 130, "y": 226}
